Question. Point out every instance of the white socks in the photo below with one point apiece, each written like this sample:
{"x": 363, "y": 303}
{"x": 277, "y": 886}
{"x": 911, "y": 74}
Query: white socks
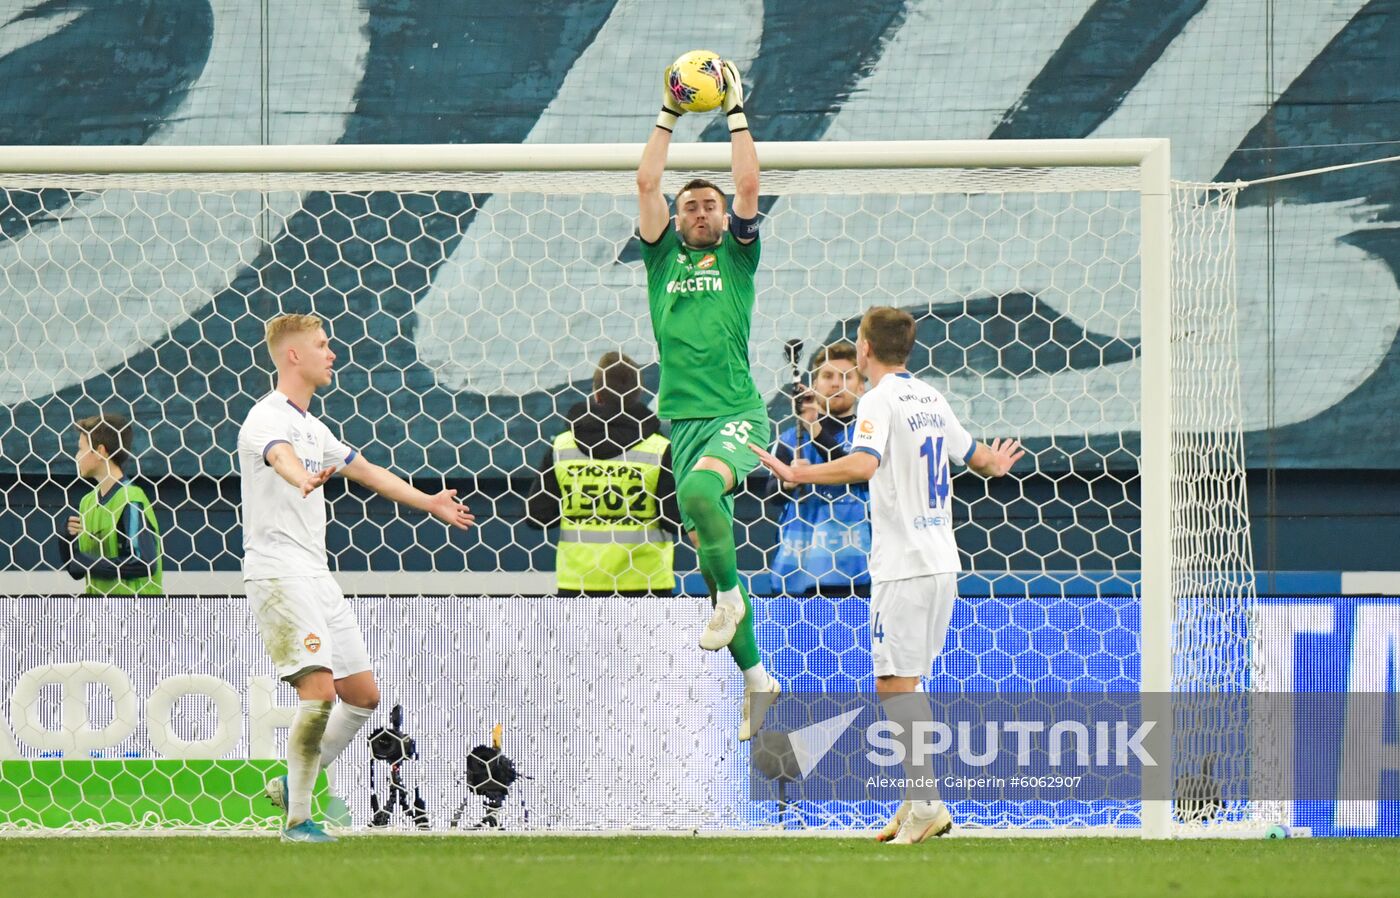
{"x": 317, "y": 737}
{"x": 346, "y": 720}
{"x": 756, "y": 677}
{"x": 304, "y": 757}
{"x": 910, "y": 710}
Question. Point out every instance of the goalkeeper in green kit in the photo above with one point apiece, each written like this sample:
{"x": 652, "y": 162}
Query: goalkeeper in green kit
{"x": 700, "y": 289}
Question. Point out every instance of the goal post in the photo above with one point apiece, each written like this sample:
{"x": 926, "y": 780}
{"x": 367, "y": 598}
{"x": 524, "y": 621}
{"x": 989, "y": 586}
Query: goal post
{"x": 473, "y": 286}
{"x": 1154, "y": 633}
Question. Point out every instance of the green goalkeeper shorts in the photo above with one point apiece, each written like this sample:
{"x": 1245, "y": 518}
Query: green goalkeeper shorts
{"x": 726, "y": 439}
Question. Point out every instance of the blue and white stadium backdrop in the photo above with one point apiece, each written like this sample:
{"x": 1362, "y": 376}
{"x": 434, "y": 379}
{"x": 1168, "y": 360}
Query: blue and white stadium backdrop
{"x": 1228, "y": 81}
{"x": 613, "y": 737}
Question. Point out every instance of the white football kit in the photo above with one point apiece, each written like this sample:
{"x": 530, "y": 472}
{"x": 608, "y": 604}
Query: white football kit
{"x": 914, "y": 564}
{"x": 302, "y": 614}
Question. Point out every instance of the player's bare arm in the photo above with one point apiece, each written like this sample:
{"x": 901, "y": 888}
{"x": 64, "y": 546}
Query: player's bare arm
{"x": 997, "y": 459}
{"x": 284, "y": 461}
{"x": 743, "y": 153}
{"x": 857, "y": 467}
{"x": 442, "y": 505}
{"x": 654, "y": 217}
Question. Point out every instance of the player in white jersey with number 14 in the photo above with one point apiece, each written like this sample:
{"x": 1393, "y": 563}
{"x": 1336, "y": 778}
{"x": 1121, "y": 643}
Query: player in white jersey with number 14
{"x": 285, "y": 455}
{"x": 906, "y": 436}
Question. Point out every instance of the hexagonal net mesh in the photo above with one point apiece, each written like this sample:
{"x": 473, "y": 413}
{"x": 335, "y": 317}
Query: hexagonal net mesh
{"x": 468, "y": 311}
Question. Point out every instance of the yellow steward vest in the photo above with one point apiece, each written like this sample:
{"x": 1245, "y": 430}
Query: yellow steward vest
{"x": 610, "y": 534}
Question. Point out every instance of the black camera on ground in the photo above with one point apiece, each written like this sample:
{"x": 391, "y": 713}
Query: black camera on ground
{"x": 394, "y": 748}
{"x": 490, "y": 774}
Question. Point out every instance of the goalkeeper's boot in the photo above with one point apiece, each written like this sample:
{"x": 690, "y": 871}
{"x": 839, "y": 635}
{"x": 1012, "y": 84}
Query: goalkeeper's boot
{"x": 921, "y": 825}
{"x": 719, "y": 632}
{"x": 756, "y": 705}
{"x": 276, "y": 792}
{"x": 306, "y": 831}
{"x": 894, "y": 823}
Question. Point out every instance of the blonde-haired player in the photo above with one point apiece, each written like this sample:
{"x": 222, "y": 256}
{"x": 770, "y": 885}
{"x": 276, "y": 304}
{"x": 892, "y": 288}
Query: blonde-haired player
{"x": 285, "y": 455}
{"x": 906, "y": 434}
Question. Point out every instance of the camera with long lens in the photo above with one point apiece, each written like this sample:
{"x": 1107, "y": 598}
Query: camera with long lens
{"x": 489, "y": 776}
{"x": 394, "y": 748}
{"x": 802, "y": 394}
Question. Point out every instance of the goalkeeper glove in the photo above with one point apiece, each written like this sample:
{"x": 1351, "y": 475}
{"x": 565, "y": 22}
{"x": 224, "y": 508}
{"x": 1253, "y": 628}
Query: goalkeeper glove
{"x": 734, "y": 99}
{"x": 671, "y": 111}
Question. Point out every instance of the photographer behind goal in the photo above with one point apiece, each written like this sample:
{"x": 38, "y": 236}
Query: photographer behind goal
{"x": 823, "y": 531}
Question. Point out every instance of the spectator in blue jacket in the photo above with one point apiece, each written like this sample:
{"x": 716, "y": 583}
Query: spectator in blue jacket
{"x": 823, "y": 531}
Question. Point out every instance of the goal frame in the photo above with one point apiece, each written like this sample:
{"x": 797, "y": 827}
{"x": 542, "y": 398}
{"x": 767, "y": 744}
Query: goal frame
{"x": 1151, "y": 156}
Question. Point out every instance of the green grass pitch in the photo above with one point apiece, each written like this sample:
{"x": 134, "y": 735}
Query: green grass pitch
{"x": 204, "y": 867}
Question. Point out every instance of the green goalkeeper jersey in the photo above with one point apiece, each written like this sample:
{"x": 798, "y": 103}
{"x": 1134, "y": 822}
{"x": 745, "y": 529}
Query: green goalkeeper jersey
{"x": 701, "y": 304}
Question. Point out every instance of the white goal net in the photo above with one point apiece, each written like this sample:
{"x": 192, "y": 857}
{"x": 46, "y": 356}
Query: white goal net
{"x": 1064, "y": 295}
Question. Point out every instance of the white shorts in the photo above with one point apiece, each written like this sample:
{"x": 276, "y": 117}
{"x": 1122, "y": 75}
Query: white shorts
{"x": 909, "y": 623}
{"x": 306, "y": 624}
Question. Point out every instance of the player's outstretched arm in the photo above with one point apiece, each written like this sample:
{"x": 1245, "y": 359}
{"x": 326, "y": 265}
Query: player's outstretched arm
{"x": 743, "y": 154}
{"x": 995, "y": 460}
{"x": 857, "y": 467}
{"x": 655, "y": 217}
{"x": 442, "y": 505}
{"x": 285, "y": 462}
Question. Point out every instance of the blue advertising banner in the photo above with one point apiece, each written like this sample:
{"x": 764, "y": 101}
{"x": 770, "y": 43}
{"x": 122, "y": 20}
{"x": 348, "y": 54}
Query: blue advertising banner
{"x": 1338, "y": 734}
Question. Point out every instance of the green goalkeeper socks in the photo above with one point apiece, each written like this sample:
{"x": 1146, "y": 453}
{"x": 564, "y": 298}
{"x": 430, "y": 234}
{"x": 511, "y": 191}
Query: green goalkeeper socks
{"x": 699, "y": 495}
{"x": 744, "y": 646}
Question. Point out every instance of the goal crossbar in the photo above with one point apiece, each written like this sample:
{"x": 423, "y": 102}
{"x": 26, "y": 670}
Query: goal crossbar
{"x": 776, "y": 156}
